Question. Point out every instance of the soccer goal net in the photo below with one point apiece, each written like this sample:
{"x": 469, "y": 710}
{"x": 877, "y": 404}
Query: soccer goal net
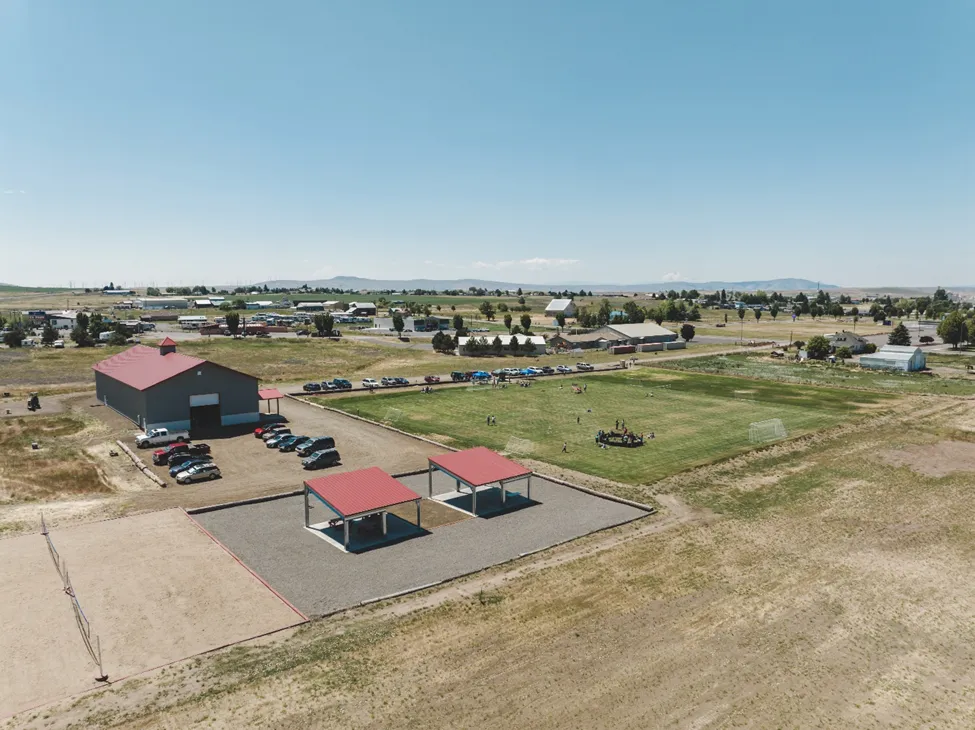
{"x": 770, "y": 430}
{"x": 392, "y": 415}
{"x": 519, "y": 447}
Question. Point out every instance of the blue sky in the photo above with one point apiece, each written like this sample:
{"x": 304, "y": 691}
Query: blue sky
{"x": 524, "y": 140}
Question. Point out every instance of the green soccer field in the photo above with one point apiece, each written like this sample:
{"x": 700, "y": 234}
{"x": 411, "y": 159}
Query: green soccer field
{"x": 696, "y": 419}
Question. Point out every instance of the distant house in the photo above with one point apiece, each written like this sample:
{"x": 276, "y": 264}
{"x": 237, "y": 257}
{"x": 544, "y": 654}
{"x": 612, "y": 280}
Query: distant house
{"x": 560, "y": 306}
{"x": 310, "y": 306}
{"x": 261, "y": 304}
{"x": 162, "y": 303}
{"x": 202, "y": 303}
{"x": 117, "y": 292}
{"x": 855, "y": 342}
{"x": 597, "y": 339}
{"x": 361, "y": 309}
{"x": 895, "y": 357}
{"x": 65, "y": 320}
{"x": 643, "y": 333}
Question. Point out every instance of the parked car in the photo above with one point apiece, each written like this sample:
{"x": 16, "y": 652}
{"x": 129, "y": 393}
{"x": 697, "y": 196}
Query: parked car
{"x": 287, "y": 445}
{"x": 584, "y": 366}
{"x": 401, "y": 381}
{"x": 188, "y": 464}
{"x": 286, "y": 439}
{"x": 267, "y": 435}
{"x": 546, "y": 370}
{"x": 198, "y": 473}
{"x": 527, "y": 372}
{"x": 320, "y": 459}
{"x": 161, "y": 456}
{"x": 159, "y": 437}
{"x": 317, "y": 443}
{"x": 259, "y": 432}
{"x": 181, "y": 456}
{"x": 341, "y": 384}
{"x": 311, "y": 387}
{"x": 327, "y": 385}
{"x": 276, "y": 439}
{"x": 512, "y": 371}
{"x": 303, "y": 333}
{"x": 369, "y": 383}
{"x": 59, "y": 344}
{"x": 457, "y": 376}
{"x": 431, "y": 379}
{"x": 481, "y": 375}
{"x": 388, "y": 381}
{"x": 563, "y": 369}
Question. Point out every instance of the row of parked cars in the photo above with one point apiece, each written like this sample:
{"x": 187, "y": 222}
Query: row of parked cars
{"x": 315, "y": 452}
{"x": 187, "y": 462}
{"x": 456, "y": 376}
{"x": 327, "y": 385}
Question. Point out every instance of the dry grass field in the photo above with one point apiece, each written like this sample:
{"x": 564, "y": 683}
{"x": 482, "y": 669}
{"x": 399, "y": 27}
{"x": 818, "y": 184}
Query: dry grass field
{"x": 831, "y": 588}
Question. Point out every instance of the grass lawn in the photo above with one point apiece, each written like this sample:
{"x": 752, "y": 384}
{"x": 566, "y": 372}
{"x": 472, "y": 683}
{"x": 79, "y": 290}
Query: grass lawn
{"x": 697, "y": 419}
{"x": 762, "y": 367}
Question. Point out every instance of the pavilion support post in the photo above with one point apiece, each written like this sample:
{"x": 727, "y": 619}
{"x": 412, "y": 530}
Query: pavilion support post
{"x": 473, "y": 499}
{"x": 529, "y": 486}
{"x": 384, "y": 523}
{"x": 306, "y": 506}
{"x": 503, "y": 493}
{"x": 417, "y": 513}
{"x": 345, "y": 524}
{"x": 430, "y": 480}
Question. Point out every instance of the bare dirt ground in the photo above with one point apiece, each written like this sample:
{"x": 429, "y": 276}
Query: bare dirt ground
{"x": 155, "y": 588}
{"x": 935, "y": 460}
{"x": 838, "y": 594}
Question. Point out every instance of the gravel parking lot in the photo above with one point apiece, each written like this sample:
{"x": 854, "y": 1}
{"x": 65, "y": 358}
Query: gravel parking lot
{"x": 250, "y": 469}
{"x": 271, "y": 539}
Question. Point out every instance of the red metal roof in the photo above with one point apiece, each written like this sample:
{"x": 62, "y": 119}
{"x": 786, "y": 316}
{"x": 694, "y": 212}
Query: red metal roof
{"x": 269, "y": 394}
{"x": 479, "y": 466}
{"x": 168, "y": 342}
{"x": 365, "y": 490}
{"x": 142, "y": 367}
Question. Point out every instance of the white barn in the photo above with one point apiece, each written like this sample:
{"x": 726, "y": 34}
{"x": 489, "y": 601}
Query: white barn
{"x": 561, "y": 306}
{"x": 895, "y": 357}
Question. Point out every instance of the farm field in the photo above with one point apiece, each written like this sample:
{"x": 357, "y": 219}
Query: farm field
{"x": 696, "y": 419}
{"x": 836, "y": 590}
{"x": 762, "y": 367}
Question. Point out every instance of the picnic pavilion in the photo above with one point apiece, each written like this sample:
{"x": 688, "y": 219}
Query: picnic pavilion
{"x": 479, "y": 469}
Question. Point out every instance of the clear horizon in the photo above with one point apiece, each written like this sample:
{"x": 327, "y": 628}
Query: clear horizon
{"x": 535, "y": 142}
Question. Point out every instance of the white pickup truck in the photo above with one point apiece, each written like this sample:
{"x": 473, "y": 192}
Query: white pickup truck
{"x": 160, "y": 437}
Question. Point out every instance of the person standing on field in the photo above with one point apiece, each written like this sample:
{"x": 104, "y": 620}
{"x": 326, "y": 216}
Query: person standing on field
{"x": 565, "y": 445}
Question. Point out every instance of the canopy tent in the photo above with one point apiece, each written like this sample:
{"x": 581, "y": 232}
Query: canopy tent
{"x": 478, "y": 467}
{"x": 357, "y": 494}
{"x": 270, "y": 394}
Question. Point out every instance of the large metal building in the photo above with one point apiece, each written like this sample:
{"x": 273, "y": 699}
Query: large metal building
{"x": 157, "y": 387}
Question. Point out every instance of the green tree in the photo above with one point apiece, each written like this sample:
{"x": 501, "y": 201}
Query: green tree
{"x": 687, "y": 332}
{"x": 953, "y": 329}
{"x": 899, "y": 335}
{"x": 487, "y": 309}
{"x": 15, "y": 336}
{"x": 758, "y": 314}
{"x": 117, "y": 338}
{"x": 80, "y": 336}
{"x": 458, "y": 322}
{"x": 81, "y": 320}
{"x": 560, "y": 319}
{"x": 48, "y": 334}
{"x": 528, "y": 347}
{"x": 658, "y": 316}
{"x": 239, "y": 304}
{"x": 96, "y": 325}
{"x": 526, "y": 322}
{"x": 497, "y": 345}
{"x": 516, "y": 330}
{"x": 233, "y": 323}
{"x": 817, "y": 348}
{"x": 844, "y": 353}
{"x": 741, "y": 319}
{"x": 398, "y": 323}
{"x": 774, "y": 311}
{"x": 507, "y": 322}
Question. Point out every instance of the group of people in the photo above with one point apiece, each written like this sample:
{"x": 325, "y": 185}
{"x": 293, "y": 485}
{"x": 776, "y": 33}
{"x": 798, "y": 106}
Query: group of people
{"x": 622, "y": 438}
{"x": 492, "y": 421}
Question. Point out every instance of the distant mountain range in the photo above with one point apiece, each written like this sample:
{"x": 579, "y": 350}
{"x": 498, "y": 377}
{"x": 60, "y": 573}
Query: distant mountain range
{"x": 355, "y": 282}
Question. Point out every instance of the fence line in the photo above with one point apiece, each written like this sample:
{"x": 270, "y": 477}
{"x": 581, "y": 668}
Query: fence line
{"x": 93, "y": 644}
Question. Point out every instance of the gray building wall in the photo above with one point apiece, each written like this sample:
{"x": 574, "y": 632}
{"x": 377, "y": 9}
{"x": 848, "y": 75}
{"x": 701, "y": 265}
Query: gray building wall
{"x": 168, "y": 403}
{"x": 120, "y": 397}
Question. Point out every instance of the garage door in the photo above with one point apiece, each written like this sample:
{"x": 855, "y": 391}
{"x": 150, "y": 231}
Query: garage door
{"x": 211, "y": 399}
